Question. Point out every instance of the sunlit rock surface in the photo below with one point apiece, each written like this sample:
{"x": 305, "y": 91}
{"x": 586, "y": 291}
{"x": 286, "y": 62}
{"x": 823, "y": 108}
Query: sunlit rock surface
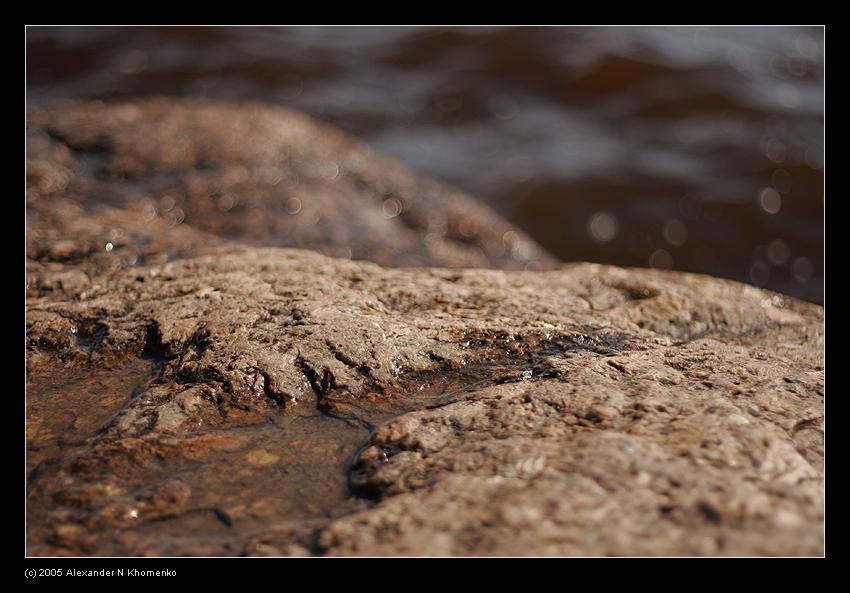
{"x": 207, "y": 397}
{"x": 251, "y": 173}
{"x": 302, "y": 404}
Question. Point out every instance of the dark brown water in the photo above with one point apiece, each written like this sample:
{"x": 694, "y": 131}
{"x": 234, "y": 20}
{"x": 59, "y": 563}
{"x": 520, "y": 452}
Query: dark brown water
{"x": 699, "y": 149}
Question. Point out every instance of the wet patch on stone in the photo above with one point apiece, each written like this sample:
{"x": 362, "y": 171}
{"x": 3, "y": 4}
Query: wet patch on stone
{"x": 66, "y": 407}
{"x": 298, "y": 468}
{"x": 239, "y": 480}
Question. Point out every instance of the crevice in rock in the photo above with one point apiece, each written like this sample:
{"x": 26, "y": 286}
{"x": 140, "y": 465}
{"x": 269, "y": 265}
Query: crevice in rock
{"x": 360, "y": 368}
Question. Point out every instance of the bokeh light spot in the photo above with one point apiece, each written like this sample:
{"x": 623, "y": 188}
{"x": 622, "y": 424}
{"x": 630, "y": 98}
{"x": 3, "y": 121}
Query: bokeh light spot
{"x": 769, "y": 200}
{"x": 802, "y": 269}
{"x": 602, "y": 227}
{"x": 293, "y": 205}
{"x": 675, "y": 232}
{"x": 778, "y": 252}
{"x": 661, "y": 259}
{"x": 759, "y": 273}
{"x": 391, "y": 207}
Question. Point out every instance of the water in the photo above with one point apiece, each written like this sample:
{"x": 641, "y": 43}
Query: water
{"x": 697, "y": 149}
{"x": 208, "y": 489}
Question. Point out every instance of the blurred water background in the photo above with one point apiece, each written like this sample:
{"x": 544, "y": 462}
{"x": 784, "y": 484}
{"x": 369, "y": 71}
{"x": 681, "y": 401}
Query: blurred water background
{"x": 697, "y": 149}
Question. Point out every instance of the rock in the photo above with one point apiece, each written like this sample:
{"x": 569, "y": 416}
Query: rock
{"x": 142, "y": 171}
{"x": 585, "y": 411}
{"x": 194, "y": 388}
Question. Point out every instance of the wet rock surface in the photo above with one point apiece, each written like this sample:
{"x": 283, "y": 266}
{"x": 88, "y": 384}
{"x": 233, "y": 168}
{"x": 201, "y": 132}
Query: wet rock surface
{"x": 303, "y": 404}
{"x": 206, "y": 396}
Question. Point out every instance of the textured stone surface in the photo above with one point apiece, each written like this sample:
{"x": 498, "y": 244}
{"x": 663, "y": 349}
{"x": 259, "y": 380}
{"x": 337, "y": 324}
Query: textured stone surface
{"x": 253, "y": 173}
{"x": 190, "y": 392}
{"x": 590, "y": 410}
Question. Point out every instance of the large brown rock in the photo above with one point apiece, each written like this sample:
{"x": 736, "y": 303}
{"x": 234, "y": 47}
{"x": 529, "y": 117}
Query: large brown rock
{"x": 250, "y": 173}
{"x": 591, "y": 410}
{"x": 190, "y": 392}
